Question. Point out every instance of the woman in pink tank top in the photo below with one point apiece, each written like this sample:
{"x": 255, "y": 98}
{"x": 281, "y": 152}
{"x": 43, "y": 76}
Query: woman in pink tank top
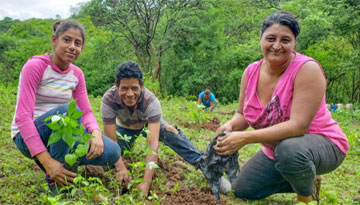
{"x": 282, "y": 97}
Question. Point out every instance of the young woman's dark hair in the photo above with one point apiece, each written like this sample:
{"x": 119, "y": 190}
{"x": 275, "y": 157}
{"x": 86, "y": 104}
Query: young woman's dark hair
{"x": 61, "y": 26}
{"x": 129, "y": 69}
{"x": 282, "y": 18}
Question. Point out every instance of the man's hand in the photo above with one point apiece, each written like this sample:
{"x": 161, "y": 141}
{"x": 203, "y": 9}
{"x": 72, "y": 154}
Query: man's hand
{"x": 122, "y": 171}
{"x": 96, "y": 145}
{"x": 144, "y": 188}
{"x": 123, "y": 176}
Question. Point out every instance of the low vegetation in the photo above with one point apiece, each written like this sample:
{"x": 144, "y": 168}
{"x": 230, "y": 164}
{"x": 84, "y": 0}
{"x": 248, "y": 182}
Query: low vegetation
{"x": 21, "y": 179}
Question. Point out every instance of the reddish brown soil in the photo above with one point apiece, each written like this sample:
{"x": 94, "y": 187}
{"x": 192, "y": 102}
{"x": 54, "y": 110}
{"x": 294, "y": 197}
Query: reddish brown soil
{"x": 174, "y": 173}
{"x": 212, "y": 125}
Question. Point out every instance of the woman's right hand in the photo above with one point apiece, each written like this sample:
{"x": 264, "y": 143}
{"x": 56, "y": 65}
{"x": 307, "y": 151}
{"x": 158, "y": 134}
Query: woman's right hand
{"x": 224, "y": 128}
{"x": 59, "y": 174}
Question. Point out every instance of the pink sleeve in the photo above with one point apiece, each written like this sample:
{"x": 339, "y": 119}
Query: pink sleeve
{"x": 82, "y": 101}
{"x": 30, "y": 78}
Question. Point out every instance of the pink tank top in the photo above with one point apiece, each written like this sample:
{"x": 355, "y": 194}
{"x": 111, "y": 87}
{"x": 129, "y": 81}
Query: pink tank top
{"x": 278, "y": 109}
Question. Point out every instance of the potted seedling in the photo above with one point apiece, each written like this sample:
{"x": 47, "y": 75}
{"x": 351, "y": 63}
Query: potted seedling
{"x": 66, "y": 127}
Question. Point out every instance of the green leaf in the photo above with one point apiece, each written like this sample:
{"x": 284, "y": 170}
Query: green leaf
{"x": 81, "y": 150}
{"x": 85, "y": 138}
{"x": 72, "y": 107}
{"x": 74, "y": 123}
{"x": 70, "y": 159}
{"x": 53, "y": 126}
{"x": 76, "y": 115}
{"x": 48, "y": 118}
{"x": 76, "y": 131}
{"x": 55, "y": 137}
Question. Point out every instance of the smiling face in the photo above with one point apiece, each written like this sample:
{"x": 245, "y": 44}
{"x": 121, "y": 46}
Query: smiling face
{"x": 277, "y": 44}
{"x": 129, "y": 90}
{"x": 67, "y": 47}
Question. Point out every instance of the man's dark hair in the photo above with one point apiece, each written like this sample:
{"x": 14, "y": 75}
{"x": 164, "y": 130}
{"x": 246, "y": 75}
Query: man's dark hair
{"x": 284, "y": 19}
{"x": 129, "y": 69}
{"x": 207, "y": 91}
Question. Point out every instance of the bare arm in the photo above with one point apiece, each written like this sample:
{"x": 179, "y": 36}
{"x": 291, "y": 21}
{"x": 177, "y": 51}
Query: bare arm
{"x": 237, "y": 122}
{"x": 110, "y": 131}
{"x": 309, "y": 89}
{"x": 199, "y": 101}
{"x": 153, "y": 141}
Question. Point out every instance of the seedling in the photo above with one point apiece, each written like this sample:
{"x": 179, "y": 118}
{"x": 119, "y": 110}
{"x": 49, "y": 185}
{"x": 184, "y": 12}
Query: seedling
{"x": 66, "y": 127}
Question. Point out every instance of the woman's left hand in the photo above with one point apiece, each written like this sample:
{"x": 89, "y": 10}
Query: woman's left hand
{"x": 96, "y": 145}
{"x": 230, "y": 143}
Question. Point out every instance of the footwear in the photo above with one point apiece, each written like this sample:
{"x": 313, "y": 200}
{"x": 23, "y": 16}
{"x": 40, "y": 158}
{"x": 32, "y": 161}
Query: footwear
{"x": 225, "y": 185}
{"x": 317, "y": 185}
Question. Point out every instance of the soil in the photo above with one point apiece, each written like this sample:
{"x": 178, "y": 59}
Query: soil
{"x": 174, "y": 173}
{"x": 212, "y": 125}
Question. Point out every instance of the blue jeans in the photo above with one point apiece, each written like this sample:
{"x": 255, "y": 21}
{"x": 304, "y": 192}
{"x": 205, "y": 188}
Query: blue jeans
{"x": 296, "y": 163}
{"x": 58, "y": 150}
{"x": 207, "y": 108}
{"x": 177, "y": 142}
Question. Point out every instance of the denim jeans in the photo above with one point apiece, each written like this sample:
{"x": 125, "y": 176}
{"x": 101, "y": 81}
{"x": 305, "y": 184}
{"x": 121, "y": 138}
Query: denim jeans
{"x": 177, "y": 142}
{"x": 296, "y": 163}
{"x": 58, "y": 150}
{"x": 207, "y": 108}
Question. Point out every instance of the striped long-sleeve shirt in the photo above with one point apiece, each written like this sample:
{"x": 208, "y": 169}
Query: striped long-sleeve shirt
{"x": 42, "y": 87}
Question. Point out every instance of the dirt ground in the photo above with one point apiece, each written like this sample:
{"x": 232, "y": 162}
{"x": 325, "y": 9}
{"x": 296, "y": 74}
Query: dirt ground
{"x": 212, "y": 125}
{"x": 174, "y": 173}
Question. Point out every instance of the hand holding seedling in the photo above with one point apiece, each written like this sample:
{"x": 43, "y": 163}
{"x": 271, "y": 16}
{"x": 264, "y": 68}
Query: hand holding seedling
{"x": 58, "y": 173}
{"x": 96, "y": 145}
{"x": 230, "y": 143}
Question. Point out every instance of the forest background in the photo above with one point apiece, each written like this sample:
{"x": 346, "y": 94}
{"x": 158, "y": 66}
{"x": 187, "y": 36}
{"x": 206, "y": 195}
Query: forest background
{"x": 189, "y": 45}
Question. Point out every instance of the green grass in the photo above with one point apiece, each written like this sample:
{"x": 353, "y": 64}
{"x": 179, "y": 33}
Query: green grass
{"x": 19, "y": 181}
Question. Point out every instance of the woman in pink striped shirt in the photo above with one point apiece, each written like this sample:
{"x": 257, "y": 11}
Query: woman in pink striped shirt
{"x": 282, "y": 96}
{"x": 47, "y": 83}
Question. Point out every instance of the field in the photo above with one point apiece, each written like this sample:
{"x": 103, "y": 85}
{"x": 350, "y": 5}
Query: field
{"x": 175, "y": 181}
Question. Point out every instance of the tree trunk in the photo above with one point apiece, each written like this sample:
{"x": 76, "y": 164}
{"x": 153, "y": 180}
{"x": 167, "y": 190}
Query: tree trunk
{"x": 157, "y": 62}
{"x": 138, "y": 55}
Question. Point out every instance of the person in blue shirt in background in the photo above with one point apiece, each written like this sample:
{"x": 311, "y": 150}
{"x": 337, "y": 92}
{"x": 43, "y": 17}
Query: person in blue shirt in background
{"x": 207, "y": 98}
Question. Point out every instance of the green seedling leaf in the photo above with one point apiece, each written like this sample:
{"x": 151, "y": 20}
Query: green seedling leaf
{"x": 175, "y": 187}
{"x": 126, "y": 152}
{"x": 53, "y": 126}
{"x": 80, "y": 150}
{"x": 73, "y": 191}
{"x": 67, "y": 120}
{"x": 55, "y": 137}
{"x": 74, "y": 123}
{"x": 48, "y": 118}
{"x": 85, "y": 138}
{"x": 72, "y": 107}
{"x": 149, "y": 151}
{"x": 67, "y": 137}
{"x": 70, "y": 159}
{"x": 124, "y": 137}
{"x": 76, "y": 131}
{"x": 76, "y": 114}
{"x": 152, "y": 165}
{"x": 146, "y": 131}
